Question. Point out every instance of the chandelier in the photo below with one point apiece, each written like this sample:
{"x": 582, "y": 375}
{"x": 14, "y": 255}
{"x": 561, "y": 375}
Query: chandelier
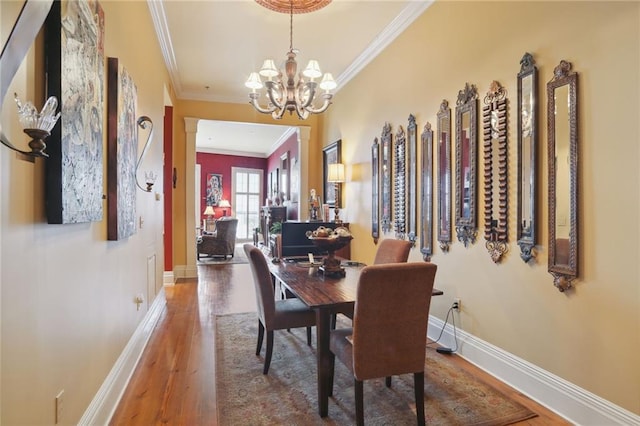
{"x": 284, "y": 93}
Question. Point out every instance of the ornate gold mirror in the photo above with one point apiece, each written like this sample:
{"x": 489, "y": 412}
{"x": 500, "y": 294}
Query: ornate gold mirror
{"x": 466, "y": 146}
{"x": 444, "y": 176}
{"x": 426, "y": 236}
{"x": 527, "y": 147}
{"x": 385, "y": 167}
{"x": 562, "y": 116}
{"x": 494, "y": 121}
{"x": 412, "y": 180}
{"x": 400, "y": 184}
{"x": 375, "y": 190}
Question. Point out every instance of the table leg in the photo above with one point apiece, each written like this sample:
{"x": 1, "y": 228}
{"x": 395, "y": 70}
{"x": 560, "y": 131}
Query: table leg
{"x": 322, "y": 333}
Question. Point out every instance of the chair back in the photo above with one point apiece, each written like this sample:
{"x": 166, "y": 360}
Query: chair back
{"x": 392, "y": 251}
{"x": 390, "y": 319}
{"x": 263, "y": 283}
{"x": 226, "y": 231}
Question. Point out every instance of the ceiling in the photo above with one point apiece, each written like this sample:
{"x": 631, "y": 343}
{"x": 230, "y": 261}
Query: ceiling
{"x": 211, "y": 46}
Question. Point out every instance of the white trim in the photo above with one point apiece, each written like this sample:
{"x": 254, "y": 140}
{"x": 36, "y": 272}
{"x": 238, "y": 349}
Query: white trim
{"x": 185, "y": 271}
{"x": 569, "y": 401}
{"x": 168, "y": 278}
{"x": 106, "y": 400}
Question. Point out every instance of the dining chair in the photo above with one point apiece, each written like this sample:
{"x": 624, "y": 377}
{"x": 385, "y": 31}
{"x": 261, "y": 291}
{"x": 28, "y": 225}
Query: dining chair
{"x": 389, "y": 251}
{"x": 389, "y": 332}
{"x": 274, "y": 314}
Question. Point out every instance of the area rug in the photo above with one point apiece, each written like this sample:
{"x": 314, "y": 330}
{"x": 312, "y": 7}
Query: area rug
{"x": 288, "y": 394}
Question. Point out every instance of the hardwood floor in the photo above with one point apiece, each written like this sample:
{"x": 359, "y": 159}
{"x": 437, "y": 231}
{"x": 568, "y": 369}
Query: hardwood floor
{"x": 174, "y": 382}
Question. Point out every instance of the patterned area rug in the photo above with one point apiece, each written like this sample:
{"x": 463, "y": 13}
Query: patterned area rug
{"x": 288, "y": 394}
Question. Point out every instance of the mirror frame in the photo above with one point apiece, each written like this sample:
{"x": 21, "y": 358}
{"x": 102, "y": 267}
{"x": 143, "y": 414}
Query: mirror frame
{"x": 563, "y": 273}
{"x": 412, "y": 183}
{"x": 385, "y": 167}
{"x": 527, "y": 234}
{"x": 375, "y": 190}
{"x": 400, "y": 184}
{"x": 444, "y": 176}
{"x": 426, "y": 236}
{"x": 496, "y": 223}
{"x": 467, "y": 102}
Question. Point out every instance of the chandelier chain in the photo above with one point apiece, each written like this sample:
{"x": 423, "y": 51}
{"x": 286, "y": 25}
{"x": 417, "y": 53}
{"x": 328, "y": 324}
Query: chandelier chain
{"x": 291, "y": 27}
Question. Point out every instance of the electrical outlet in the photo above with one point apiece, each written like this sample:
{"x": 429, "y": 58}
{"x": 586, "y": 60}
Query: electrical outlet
{"x": 457, "y": 304}
{"x": 59, "y": 406}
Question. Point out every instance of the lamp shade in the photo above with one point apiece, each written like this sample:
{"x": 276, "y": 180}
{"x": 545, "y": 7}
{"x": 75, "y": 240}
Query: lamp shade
{"x": 224, "y": 204}
{"x": 335, "y": 173}
{"x": 209, "y": 211}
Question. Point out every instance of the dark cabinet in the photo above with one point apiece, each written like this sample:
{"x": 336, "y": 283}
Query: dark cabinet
{"x": 268, "y": 216}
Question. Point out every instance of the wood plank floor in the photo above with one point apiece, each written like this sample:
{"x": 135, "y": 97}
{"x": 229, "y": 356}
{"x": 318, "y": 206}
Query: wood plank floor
{"x": 174, "y": 382}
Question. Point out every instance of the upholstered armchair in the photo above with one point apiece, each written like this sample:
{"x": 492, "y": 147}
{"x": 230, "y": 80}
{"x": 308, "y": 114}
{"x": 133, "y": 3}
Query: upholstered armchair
{"x": 222, "y": 243}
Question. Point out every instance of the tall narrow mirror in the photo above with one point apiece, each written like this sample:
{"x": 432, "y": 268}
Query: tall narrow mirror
{"x": 527, "y": 147}
{"x": 375, "y": 190}
{"x": 562, "y": 115}
{"x": 412, "y": 180}
{"x": 494, "y": 122}
{"x": 466, "y": 147}
{"x": 444, "y": 176}
{"x": 386, "y": 177}
{"x": 400, "y": 184}
{"x": 426, "y": 236}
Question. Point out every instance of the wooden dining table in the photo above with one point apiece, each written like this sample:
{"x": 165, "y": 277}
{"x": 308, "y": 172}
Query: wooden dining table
{"x": 326, "y": 295}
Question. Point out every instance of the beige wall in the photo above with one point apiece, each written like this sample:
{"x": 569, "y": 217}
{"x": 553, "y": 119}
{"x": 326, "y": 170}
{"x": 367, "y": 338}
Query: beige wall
{"x": 67, "y": 293}
{"x": 591, "y": 335}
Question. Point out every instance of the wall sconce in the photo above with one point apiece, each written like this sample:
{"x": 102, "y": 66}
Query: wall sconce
{"x": 149, "y": 177}
{"x": 36, "y": 124}
{"x": 224, "y": 204}
{"x": 335, "y": 174}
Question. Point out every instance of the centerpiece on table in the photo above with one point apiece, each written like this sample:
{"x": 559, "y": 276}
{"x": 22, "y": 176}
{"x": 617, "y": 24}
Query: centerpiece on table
{"x": 330, "y": 240}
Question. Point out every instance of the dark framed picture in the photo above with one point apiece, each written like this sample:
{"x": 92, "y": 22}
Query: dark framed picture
{"x": 122, "y": 150}
{"x": 330, "y": 154}
{"x": 74, "y": 46}
{"x": 214, "y": 189}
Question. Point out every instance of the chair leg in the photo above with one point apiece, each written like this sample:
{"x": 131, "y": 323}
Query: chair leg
{"x": 359, "y": 402}
{"x": 267, "y": 357}
{"x": 308, "y": 336}
{"x": 260, "y": 337}
{"x": 418, "y": 383}
{"x": 334, "y": 320}
{"x": 387, "y": 381}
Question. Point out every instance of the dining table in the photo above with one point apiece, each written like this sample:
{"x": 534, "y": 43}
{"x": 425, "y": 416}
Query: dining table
{"x": 326, "y": 295}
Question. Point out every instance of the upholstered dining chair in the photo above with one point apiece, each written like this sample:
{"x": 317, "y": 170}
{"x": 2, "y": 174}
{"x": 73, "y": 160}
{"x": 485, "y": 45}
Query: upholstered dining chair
{"x": 389, "y": 251}
{"x": 274, "y": 314}
{"x": 389, "y": 332}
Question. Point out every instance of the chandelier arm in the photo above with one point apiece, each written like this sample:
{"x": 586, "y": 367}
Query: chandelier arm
{"x": 254, "y": 101}
{"x": 271, "y": 86}
{"x": 327, "y": 101}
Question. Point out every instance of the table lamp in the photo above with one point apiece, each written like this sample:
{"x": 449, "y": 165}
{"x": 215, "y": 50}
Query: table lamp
{"x": 210, "y": 214}
{"x": 335, "y": 174}
{"x": 224, "y": 204}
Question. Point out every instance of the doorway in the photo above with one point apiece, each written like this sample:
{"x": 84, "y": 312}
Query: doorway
{"x": 246, "y": 193}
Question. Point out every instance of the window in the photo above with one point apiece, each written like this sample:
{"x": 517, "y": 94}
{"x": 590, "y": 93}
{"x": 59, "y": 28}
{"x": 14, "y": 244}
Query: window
{"x": 247, "y": 193}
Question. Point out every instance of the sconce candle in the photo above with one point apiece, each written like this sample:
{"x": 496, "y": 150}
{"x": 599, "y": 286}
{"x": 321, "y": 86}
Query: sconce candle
{"x": 35, "y": 124}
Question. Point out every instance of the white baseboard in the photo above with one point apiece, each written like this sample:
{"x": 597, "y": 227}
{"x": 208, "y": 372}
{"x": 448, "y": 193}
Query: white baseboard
{"x": 168, "y": 278}
{"x": 106, "y": 400}
{"x": 185, "y": 271}
{"x": 569, "y": 401}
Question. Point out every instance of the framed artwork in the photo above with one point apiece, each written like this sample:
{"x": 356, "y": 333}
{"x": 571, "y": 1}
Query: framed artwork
{"x": 122, "y": 150}
{"x": 330, "y": 154}
{"x": 74, "y": 46}
{"x": 214, "y": 189}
